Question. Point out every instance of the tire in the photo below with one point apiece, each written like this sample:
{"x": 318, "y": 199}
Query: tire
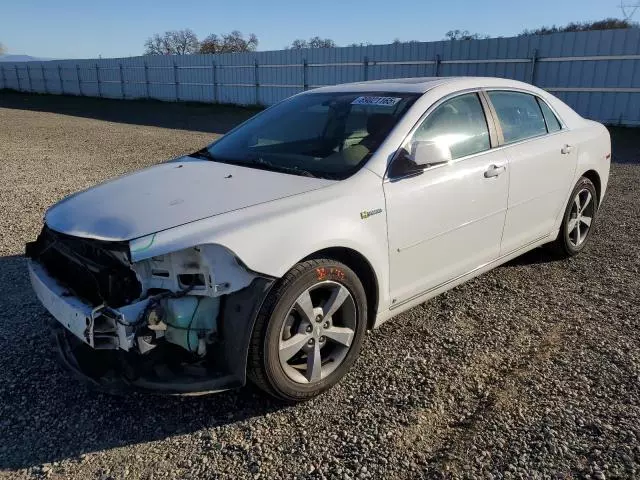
{"x": 573, "y": 237}
{"x": 286, "y": 321}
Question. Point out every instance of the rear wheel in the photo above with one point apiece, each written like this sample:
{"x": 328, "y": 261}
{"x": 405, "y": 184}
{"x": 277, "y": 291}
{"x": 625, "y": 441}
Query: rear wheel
{"x": 309, "y": 331}
{"x": 578, "y": 219}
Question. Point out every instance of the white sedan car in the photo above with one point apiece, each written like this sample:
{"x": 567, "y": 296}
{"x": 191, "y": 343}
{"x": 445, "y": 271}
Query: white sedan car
{"x": 269, "y": 253}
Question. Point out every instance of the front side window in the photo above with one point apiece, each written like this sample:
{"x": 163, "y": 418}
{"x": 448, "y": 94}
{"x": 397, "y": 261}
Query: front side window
{"x": 458, "y": 124}
{"x": 519, "y": 115}
{"x": 329, "y": 135}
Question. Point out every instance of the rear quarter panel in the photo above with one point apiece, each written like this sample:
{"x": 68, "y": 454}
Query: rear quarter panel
{"x": 594, "y": 154}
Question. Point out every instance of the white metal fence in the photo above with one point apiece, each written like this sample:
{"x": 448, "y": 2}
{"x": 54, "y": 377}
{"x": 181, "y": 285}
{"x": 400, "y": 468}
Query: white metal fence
{"x": 598, "y": 73}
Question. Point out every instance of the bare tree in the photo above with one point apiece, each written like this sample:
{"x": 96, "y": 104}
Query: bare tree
{"x": 211, "y": 44}
{"x": 464, "y": 35}
{"x": 397, "y": 41}
{"x": 235, "y": 42}
{"x": 156, "y": 45}
{"x": 313, "y": 42}
{"x": 317, "y": 42}
{"x": 229, "y": 43}
{"x": 606, "y": 24}
{"x": 298, "y": 44}
{"x": 172, "y": 42}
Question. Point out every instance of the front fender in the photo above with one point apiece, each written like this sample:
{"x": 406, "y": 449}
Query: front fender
{"x": 271, "y": 238}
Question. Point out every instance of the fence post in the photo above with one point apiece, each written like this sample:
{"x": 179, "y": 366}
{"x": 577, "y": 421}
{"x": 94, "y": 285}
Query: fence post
{"x": 437, "y": 66}
{"x": 98, "y": 81}
{"x": 534, "y": 62}
{"x": 17, "y": 77}
{"x": 44, "y": 78}
{"x": 175, "y": 79}
{"x": 146, "y": 79}
{"x": 78, "y": 77}
{"x": 366, "y": 68}
{"x": 305, "y": 75}
{"x": 29, "y": 78}
{"x": 257, "y": 82}
{"x": 60, "y": 78}
{"x": 215, "y": 83}
{"x": 122, "y": 94}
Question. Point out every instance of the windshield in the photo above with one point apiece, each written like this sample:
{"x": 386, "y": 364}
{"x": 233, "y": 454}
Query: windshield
{"x": 329, "y": 135}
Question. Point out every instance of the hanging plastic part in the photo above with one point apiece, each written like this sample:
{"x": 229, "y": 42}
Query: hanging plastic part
{"x": 191, "y": 322}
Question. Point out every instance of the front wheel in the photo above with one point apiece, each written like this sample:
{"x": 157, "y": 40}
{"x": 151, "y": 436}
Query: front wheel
{"x": 309, "y": 331}
{"x": 578, "y": 219}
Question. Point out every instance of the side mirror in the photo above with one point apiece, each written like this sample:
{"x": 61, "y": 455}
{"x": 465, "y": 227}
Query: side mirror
{"x": 426, "y": 153}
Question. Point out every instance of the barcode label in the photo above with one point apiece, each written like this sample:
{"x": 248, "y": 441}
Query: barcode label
{"x": 381, "y": 101}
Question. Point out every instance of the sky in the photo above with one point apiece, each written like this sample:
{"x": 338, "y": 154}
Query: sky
{"x": 119, "y": 28}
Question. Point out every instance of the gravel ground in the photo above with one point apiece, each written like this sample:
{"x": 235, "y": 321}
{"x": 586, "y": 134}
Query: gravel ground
{"x": 530, "y": 371}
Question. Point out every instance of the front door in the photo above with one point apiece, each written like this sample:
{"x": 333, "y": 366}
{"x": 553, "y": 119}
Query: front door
{"x": 447, "y": 220}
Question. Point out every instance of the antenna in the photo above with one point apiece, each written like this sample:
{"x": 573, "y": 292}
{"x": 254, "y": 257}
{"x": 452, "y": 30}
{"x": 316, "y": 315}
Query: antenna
{"x": 628, "y": 9}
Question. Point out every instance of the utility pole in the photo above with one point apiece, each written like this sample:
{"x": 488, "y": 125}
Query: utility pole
{"x": 628, "y": 9}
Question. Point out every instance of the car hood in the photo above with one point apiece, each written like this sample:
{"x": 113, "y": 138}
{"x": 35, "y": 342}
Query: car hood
{"x": 168, "y": 195}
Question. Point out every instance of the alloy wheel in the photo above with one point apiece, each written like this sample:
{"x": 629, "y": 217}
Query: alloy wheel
{"x": 317, "y": 332}
{"x": 580, "y": 217}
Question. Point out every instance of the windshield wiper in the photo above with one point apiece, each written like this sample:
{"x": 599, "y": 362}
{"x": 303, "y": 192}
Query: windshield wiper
{"x": 282, "y": 168}
{"x": 203, "y": 153}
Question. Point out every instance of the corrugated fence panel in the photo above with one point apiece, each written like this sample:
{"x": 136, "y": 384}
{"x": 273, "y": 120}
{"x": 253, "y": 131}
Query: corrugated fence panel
{"x": 597, "y": 73}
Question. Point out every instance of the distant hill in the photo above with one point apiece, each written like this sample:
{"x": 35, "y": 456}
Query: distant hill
{"x": 21, "y": 58}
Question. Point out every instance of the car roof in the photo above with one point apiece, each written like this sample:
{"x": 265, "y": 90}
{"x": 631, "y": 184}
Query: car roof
{"x": 421, "y": 84}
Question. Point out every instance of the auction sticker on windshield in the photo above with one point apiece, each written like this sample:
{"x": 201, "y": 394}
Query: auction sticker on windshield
{"x": 382, "y": 101}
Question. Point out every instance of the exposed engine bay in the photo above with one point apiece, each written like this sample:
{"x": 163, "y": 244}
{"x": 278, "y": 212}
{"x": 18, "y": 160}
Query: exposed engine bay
{"x": 178, "y": 322}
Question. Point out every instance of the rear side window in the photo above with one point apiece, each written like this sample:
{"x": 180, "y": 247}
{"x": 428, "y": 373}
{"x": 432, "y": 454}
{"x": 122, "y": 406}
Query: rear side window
{"x": 459, "y": 124}
{"x": 553, "y": 125}
{"x": 519, "y": 114}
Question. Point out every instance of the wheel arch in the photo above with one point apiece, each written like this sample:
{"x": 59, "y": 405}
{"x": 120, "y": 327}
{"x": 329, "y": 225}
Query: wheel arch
{"x": 362, "y": 268}
{"x": 595, "y": 179}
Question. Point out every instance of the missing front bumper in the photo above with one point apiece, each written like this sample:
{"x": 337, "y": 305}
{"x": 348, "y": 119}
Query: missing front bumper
{"x": 99, "y": 327}
{"x": 117, "y": 372}
{"x": 98, "y": 346}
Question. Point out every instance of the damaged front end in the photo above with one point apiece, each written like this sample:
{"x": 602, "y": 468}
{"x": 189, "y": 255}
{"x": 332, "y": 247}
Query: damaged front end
{"x": 176, "y": 323}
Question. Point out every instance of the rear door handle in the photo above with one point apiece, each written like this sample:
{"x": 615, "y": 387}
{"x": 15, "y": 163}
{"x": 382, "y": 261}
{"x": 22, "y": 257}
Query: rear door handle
{"x": 566, "y": 149}
{"x": 494, "y": 171}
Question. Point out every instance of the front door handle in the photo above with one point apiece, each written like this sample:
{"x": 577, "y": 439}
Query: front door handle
{"x": 494, "y": 171}
{"x": 566, "y": 149}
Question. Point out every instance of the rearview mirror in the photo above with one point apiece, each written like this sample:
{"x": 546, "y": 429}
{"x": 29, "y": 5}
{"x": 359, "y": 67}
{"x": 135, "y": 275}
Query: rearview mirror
{"x": 427, "y": 152}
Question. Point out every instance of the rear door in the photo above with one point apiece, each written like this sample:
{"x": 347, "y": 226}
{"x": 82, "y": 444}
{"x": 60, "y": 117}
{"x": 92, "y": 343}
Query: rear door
{"x": 542, "y": 161}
